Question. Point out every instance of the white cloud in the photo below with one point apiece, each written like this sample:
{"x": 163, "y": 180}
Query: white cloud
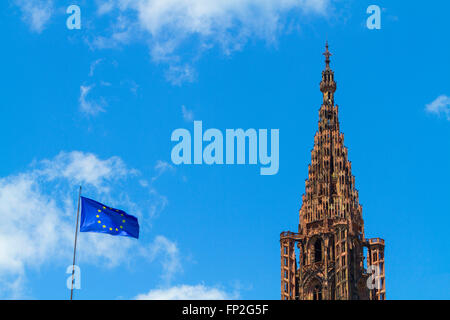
{"x": 159, "y": 202}
{"x": 143, "y": 183}
{"x": 36, "y": 13}
{"x": 86, "y": 168}
{"x": 169, "y": 256}
{"x": 217, "y": 19}
{"x": 188, "y": 115}
{"x": 161, "y": 167}
{"x": 93, "y": 66}
{"x": 440, "y": 106}
{"x": 105, "y": 6}
{"x": 179, "y": 74}
{"x": 186, "y": 292}
{"x": 87, "y": 106}
{"x": 168, "y": 25}
{"x": 31, "y": 227}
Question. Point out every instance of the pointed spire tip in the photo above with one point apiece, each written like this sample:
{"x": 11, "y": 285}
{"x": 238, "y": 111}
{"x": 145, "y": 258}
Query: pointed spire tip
{"x": 327, "y": 55}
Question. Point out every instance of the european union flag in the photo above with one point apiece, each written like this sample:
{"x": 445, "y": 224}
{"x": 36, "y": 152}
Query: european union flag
{"x": 96, "y": 217}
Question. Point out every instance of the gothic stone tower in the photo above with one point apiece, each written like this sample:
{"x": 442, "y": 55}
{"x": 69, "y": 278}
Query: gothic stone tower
{"x": 330, "y": 241}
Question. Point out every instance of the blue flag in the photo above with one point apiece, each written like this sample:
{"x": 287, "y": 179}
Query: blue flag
{"x": 96, "y": 217}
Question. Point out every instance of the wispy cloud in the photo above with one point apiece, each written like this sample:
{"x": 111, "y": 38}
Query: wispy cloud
{"x": 104, "y": 6}
{"x": 97, "y": 92}
{"x": 159, "y": 201}
{"x": 187, "y": 292}
{"x": 93, "y": 66}
{"x": 161, "y": 167}
{"x": 188, "y": 115}
{"x": 441, "y": 105}
{"x": 85, "y": 168}
{"x": 88, "y": 106}
{"x": 36, "y": 13}
{"x": 179, "y": 74}
{"x": 169, "y": 256}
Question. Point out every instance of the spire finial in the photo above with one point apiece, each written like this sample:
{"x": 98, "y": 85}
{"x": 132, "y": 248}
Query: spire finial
{"x": 327, "y": 55}
{"x": 327, "y": 85}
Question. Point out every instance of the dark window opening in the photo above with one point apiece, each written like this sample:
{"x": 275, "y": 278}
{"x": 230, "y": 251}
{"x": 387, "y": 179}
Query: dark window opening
{"x": 318, "y": 251}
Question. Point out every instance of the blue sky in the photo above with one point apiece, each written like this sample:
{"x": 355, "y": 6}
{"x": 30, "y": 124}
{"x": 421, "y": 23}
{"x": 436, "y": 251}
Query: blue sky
{"x": 97, "y": 107}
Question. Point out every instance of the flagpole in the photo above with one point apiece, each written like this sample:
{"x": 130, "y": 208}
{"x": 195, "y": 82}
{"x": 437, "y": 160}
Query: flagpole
{"x": 75, "y": 244}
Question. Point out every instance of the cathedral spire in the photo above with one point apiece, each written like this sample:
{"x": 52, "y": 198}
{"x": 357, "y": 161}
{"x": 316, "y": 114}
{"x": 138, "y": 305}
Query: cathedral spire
{"x": 327, "y": 55}
{"x": 325, "y": 260}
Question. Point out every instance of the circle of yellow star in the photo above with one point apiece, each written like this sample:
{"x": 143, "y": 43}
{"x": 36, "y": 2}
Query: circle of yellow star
{"x": 123, "y": 221}
{"x": 104, "y": 226}
{"x": 99, "y": 210}
{"x": 99, "y": 221}
{"x": 110, "y": 229}
{"x": 97, "y": 216}
{"x": 121, "y": 227}
{"x": 117, "y": 229}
